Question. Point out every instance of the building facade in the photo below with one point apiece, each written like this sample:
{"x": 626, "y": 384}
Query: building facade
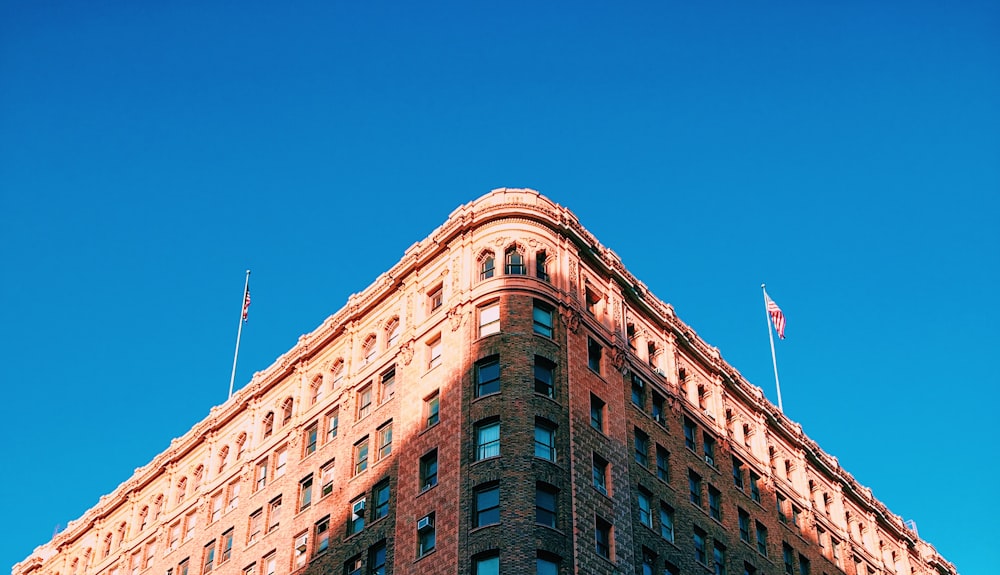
{"x": 507, "y": 399}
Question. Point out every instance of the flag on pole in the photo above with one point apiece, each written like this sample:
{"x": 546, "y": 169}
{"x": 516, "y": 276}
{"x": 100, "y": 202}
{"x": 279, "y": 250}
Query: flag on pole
{"x": 246, "y": 302}
{"x": 773, "y": 311}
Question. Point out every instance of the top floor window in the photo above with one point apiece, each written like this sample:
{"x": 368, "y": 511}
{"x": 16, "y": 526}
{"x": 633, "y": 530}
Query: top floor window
{"x": 368, "y": 350}
{"x": 486, "y": 267}
{"x": 541, "y": 316}
{"x": 435, "y": 297}
{"x": 392, "y": 332}
{"x": 541, "y": 266}
{"x": 489, "y": 319}
{"x": 338, "y": 373}
{"x": 286, "y": 411}
{"x": 268, "y": 425}
{"x": 488, "y": 376}
{"x": 515, "y": 262}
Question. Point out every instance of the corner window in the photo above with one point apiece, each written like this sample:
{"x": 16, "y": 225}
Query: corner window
{"x": 545, "y": 440}
{"x": 489, "y": 319}
{"x": 541, "y": 315}
{"x": 487, "y": 266}
{"x": 515, "y": 262}
{"x": 594, "y": 351}
{"x": 487, "y": 440}
{"x": 545, "y": 504}
{"x": 488, "y": 376}
{"x": 541, "y": 266}
{"x": 487, "y": 505}
{"x": 544, "y": 376}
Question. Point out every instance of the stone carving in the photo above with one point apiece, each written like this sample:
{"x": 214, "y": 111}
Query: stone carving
{"x": 455, "y": 275}
{"x": 455, "y": 317}
{"x": 406, "y": 352}
{"x": 571, "y": 318}
{"x": 573, "y": 279}
{"x": 618, "y": 360}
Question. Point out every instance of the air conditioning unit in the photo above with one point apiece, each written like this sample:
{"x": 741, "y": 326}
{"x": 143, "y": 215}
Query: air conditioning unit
{"x": 661, "y": 373}
{"x": 709, "y": 460}
{"x": 425, "y": 524}
{"x": 359, "y": 508}
{"x": 709, "y": 414}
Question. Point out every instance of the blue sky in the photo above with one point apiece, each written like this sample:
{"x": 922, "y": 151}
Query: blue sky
{"x": 844, "y": 152}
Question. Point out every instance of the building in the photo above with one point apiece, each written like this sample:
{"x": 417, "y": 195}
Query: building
{"x": 508, "y": 398}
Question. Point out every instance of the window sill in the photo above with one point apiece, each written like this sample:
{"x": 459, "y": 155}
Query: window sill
{"x": 426, "y": 553}
{"x": 426, "y": 489}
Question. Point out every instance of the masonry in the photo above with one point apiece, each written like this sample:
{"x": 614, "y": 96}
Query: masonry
{"x": 508, "y": 398}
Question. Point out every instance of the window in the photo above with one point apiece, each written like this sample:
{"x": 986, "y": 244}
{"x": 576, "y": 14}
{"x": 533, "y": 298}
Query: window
{"x": 744, "y": 526}
{"x": 781, "y": 503}
{"x": 488, "y": 376}
{"x": 357, "y": 521}
{"x": 432, "y": 409}
{"x": 641, "y": 448}
{"x": 190, "y": 523}
{"x": 804, "y": 566}
{"x": 694, "y": 487}
{"x": 305, "y": 492}
{"x": 515, "y": 262}
{"x": 489, "y": 319}
{"x": 361, "y": 455}
{"x": 602, "y": 538}
{"x": 376, "y": 559}
{"x": 392, "y": 332}
{"x": 546, "y": 564}
{"x": 662, "y": 464}
{"x": 311, "y": 436}
{"x": 486, "y": 565}
{"x": 700, "y": 554}
{"x": 434, "y": 353}
{"x": 208, "y": 557}
{"x": 174, "y": 538}
{"x": 316, "y": 390}
{"x": 384, "y": 434}
{"x": 638, "y": 392}
{"x": 487, "y": 440}
{"x": 326, "y": 478}
{"x": 134, "y": 562}
{"x": 364, "y": 397}
{"x": 182, "y": 567}
{"x": 719, "y": 558}
{"x": 487, "y": 506}
{"x": 268, "y": 424}
{"x": 254, "y": 526}
{"x": 600, "y": 473}
{"x": 368, "y": 350}
{"x": 301, "y": 546}
{"x": 659, "y": 409}
{"x": 487, "y": 267}
{"x": 354, "y": 566}
{"x": 332, "y": 423}
{"x": 286, "y": 411}
{"x": 754, "y": 487}
{"x": 689, "y": 428}
{"x": 645, "y": 511}
{"x": 387, "y": 386}
{"x": 381, "y": 500}
{"x": 545, "y": 440}
{"x": 592, "y": 299}
{"x": 429, "y": 470}
{"x": 596, "y": 413}
{"x": 714, "y": 503}
{"x": 261, "y": 475}
{"x": 216, "y": 504}
{"x": 426, "y": 537}
{"x": 835, "y": 551}
{"x": 233, "y": 495}
{"x": 270, "y": 562}
{"x": 788, "y": 558}
{"x": 227, "y": 546}
{"x": 761, "y": 539}
{"x": 435, "y": 297}
{"x": 796, "y": 516}
{"x": 273, "y": 514}
{"x": 280, "y": 459}
{"x": 543, "y": 376}
{"x": 338, "y": 373}
{"x": 667, "y": 522}
{"x": 541, "y": 316}
{"x": 181, "y": 492}
{"x": 738, "y": 474}
{"x": 545, "y": 504}
{"x": 709, "y": 448}
{"x": 594, "y": 355}
{"x": 149, "y": 554}
{"x": 541, "y": 265}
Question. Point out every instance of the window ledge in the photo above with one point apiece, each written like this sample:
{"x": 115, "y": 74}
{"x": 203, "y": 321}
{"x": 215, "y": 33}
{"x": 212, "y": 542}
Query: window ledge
{"x": 426, "y": 489}
{"x": 431, "y": 552}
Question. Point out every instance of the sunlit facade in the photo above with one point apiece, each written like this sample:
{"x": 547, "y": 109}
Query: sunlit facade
{"x": 508, "y": 398}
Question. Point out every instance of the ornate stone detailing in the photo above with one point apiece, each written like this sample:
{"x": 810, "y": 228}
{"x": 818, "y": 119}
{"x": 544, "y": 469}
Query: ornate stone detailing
{"x": 571, "y": 318}
{"x": 618, "y": 360}
{"x": 406, "y": 352}
{"x": 455, "y": 317}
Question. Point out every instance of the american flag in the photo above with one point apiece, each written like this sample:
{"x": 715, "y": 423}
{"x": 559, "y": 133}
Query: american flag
{"x": 777, "y": 317}
{"x": 246, "y": 303}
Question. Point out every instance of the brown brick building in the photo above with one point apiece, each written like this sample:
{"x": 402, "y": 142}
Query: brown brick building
{"x": 507, "y": 399}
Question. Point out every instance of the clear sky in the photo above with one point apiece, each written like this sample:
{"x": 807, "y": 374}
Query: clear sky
{"x": 847, "y": 153}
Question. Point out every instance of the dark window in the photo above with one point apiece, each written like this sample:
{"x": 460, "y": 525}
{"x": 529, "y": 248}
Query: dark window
{"x": 515, "y": 263}
{"x": 488, "y": 376}
{"x": 788, "y": 557}
{"x": 689, "y": 428}
{"x": 662, "y": 463}
{"x": 600, "y": 473}
{"x": 744, "y": 526}
{"x": 709, "y": 448}
{"x": 376, "y": 559}
{"x": 487, "y": 440}
{"x": 429, "y": 470}
{"x": 700, "y": 554}
{"x": 638, "y": 392}
{"x": 596, "y": 413}
{"x": 754, "y": 487}
{"x": 426, "y": 536}
{"x": 542, "y": 319}
{"x": 486, "y": 269}
{"x": 594, "y": 355}
{"x": 714, "y": 503}
{"x": 738, "y": 473}
{"x": 541, "y": 261}
{"x": 487, "y": 510}
{"x": 381, "y": 500}
{"x": 658, "y": 412}
{"x": 694, "y": 488}
{"x": 641, "y": 448}
{"x": 761, "y": 539}
{"x": 545, "y": 440}
{"x": 544, "y": 376}
{"x": 545, "y": 504}
{"x": 602, "y": 538}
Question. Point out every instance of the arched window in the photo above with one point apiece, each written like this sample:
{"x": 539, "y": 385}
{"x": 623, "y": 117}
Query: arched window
{"x": 630, "y": 335}
{"x": 487, "y": 265}
{"x": 286, "y": 412}
{"x": 223, "y": 458}
{"x": 143, "y": 518}
{"x": 338, "y": 373}
{"x": 74, "y": 566}
{"x": 86, "y": 557}
{"x": 157, "y": 506}
{"x": 268, "y": 425}
{"x": 541, "y": 266}
{"x": 181, "y": 490}
{"x": 241, "y": 444}
{"x": 122, "y": 529}
{"x": 392, "y": 332}
{"x": 316, "y": 390}
{"x": 651, "y": 351}
{"x": 198, "y": 475}
{"x": 106, "y": 546}
{"x": 368, "y": 350}
{"x": 515, "y": 262}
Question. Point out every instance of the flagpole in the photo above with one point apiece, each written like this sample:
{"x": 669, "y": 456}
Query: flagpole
{"x": 239, "y": 332}
{"x": 774, "y": 359}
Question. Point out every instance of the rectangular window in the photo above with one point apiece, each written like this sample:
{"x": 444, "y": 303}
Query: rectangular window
{"x": 714, "y": 503}
{"x": 250, "y": 569}
{"x": 270, "y": 562}
{"x": 175, "y": 536}
{"x": 596, "y": 413}
{"x": 300, "y": 549}
{"x": 305, "y": 492}
{"x": 311, "y": 436}
{"x": 804, "y": 566}
{"x": 667, "y": 522}
{"x": 387, "y": 386}
{"x": 364, "y": 399}
{"x": 594, "y": 351}
{"x": 254, "y": 526}
{"x": 545, "y": 504}
{"x": 602, "y": 538}
{"x": 709, "y": 448}
{"x": 182, "y": 567}
{"x": 354, "y": 566}
{"x": 322, "y": 530}
{"x": 544, "y": 380}
{"x": 781, "y": 504}
{"x": 489, "y": 319}
{"x": 261, "y": 475}
{"x": 190, "y": 523}
{"x": 545, "y": 440}
{"x": 744, "y": 526}
{"x": 754, "y": 487}
{"x": 835, "y": 551}
{"x": 384, "y": 435}
{"x": 487, "y": 440}
{"x": 641, "y": 444}
{"x": 662, "y": 464}
{"x": 273, "y": 514}
{"x": 381, "y": 500}
{"x": 488, "y": 376}
{"x": 432, "y": 409}
{"x": 426, "y": 537}
{"x": 689, "y": 429}
{"x": 542, "y": 319}
{"x": 761, "y": 538}
{"x": 435, "y": 297}
{"x": 332, "y": 423}
{"x": 209, "y": 557}
{"x": 429, "y": 470}
{"x": 645, "y": 510}
{"x": 216, "y": 504}
{"x": 280, "y": 459}
{"x": 659, "y": 409}
{"x": 700, "y": 554}
{"x": 638, "y": 392}
{"x": 227, "y": 547}
{"x": 357, "y": 521}
{"x": 487, "y": 506}
{"x": 434, "y": 352}
{"x": 486, "y": 565}
{"x": 361, "y": 455}
{"x": 233, "y": 493}
{"x": 738, "y": 474}
{"x": 694, "y": 488}
{"x": 376, "y": 559}
{"x": 600, "y": 473}
{"x": 788, "y": 558}
{"x": 592, "y": 300}
{"x": 326, "y": 478}
{"x": 719, "y": 558}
